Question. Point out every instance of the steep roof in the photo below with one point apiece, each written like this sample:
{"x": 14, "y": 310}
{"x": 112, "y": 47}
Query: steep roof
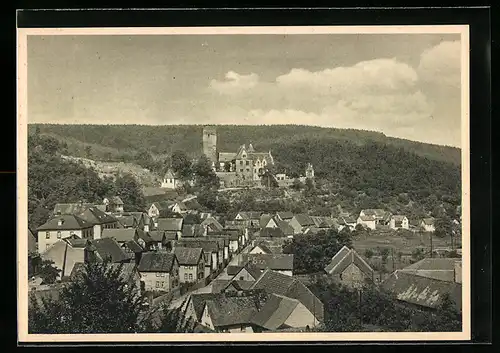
{"x": 285, "y": 215}
{"x": 170, "y": 174}
{"x": 170, "y": 224}
{"x": 115, "y": 200}
{"x": 344, "y": 258}
{"x": 272, "y": 261}
{"x": 304, "y": 219}
{"x": 109, "y": 248}
{"x": 218, "y": 285}
{"x": 347, "y": 220}
{"x": 212, "y": 223}
{"x": 74, "y": 208}
{"x": 207, "y": 245}
{"x": 156, "y": 262}
{"x": 252, "y": 270}
{"x": 398, "y": 217}
{"x": 128, "y": 270}
{"x": 278, "y": 283}
{"x": 226, "y": 156}
{"x": 188, "y": 256}
{"x": 134, "y": 246}
{"x": 32, "y": 244}
{"x": 263, "y": 247}
{"x": 436, "y": 268}
{"x": 428, "y": 221}
{"x": 228, "y": 311}
{"x": 127, "y": 221}
{"x": 121, "y": 234}
{"x": 96, "y": 216}
{"x": 192, "y": 231}
{"x": 377, "y": 212}
{"x": 423, "y": 291}
{"x": 272, "y": 233}
{"x": 286, "y": 228}
{"x": 198, "y": 300}
{"x": 156, "y": 235}
{"x": 264, "y": 220}
{"x": 275, "y": 312}
{"x": 69, "y": 222}
{"x": 370, "y": 218}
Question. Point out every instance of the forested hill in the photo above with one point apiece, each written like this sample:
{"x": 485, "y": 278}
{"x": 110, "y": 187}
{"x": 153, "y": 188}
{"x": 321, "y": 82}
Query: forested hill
{"x": 113, "y": 141}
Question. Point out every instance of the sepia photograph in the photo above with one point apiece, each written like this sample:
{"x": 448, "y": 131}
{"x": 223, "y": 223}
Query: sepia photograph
{"x": 243, "y": 183}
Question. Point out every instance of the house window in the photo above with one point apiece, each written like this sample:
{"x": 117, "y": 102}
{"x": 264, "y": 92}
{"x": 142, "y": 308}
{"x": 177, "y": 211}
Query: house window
{"x": 158, "y": 284}
{"x": 47, "y": 235}
{"x": 241, "y": 170}
{"x": 185, "y": 277}
{"x": 47, "y": 246}
{"x": 241, "y": 278}
{"x": 248, "y": 163}
{"x": 241, "y": 162}
{"x": 190, "y": 276}
{"x": 58, "y": 234}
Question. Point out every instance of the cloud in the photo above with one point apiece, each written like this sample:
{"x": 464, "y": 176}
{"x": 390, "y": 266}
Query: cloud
{"x": 441, "y": 64}
{"x": 235, "y": 83}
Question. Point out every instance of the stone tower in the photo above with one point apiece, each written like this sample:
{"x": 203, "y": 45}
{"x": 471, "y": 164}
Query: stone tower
{"x": 210, "y": 143}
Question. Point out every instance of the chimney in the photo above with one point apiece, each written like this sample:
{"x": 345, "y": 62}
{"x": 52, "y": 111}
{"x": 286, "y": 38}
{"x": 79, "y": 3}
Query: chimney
{"x": 60, "y": 222}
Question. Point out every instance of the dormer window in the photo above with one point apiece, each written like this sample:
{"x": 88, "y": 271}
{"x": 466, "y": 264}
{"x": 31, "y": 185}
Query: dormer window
{"x": 60, "y": 222}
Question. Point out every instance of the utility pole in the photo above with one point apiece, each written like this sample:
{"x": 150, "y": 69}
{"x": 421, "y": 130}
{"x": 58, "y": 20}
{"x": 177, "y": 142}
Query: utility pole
{"x": 432, "y": 254}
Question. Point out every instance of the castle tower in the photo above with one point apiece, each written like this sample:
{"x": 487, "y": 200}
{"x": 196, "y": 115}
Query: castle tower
{"x": 210, "y": 143}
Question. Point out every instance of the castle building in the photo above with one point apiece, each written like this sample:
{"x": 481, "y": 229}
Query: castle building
{"x": 309, "y": 171}
{"x": 210, "y": 144}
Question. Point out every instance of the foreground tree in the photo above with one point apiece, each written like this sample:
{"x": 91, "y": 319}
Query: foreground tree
{"x": 130, "y": 192}
{"x": 181, "y": 165}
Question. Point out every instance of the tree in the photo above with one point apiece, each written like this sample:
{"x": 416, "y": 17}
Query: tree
{"x": 181, "y": 165}
{"x": 384, "y": 254}
{"x": 204, "y": 174}
{"x": 129, "y": 190}
{"x": 192, "y": 218}
{"x": 208, "y": 198}
{"x": 99, "y": 300}
{"x": 369, "y": 253}
{"x": 443, "y": 228}
{"x": 297, "y": 185}
{"x": 88, "y": 151}
{"x": 227, "y": 166}
{"x": 309, "y": 187}
{"x": 47, "y": 271}
{"x": 222, "y": 205}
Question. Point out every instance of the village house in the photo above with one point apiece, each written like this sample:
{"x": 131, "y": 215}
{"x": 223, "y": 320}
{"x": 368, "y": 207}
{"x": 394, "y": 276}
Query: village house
{"x": 193, "y": 231}
{"x": 65, "y": 254}
{"x": 61, "y": 227}
{"x": 272, "y": 233}
{"x": 158, "y": 239}
{"x": 113, "y": 204}
{"x": 273, "y": 282}
{"x": 349, "y": 269}
{"x": 32, "y": 243}
{"x": 282, "y": 263}
{"x": 124, "y": 235}
{"x": 428, "y": 224}
{"x": 251, "y": 217}
{"x": 126, "y": 221}
{"x": 267, "y": 221}
{"x": 159, "y": 271}
{"x": 170, "y": 225}
{"x": 210, "y": 252}
{"x": 399, "y": 222}
{"x": 260, "y": 248}
{"x": 106, "y": 249}
{"x": 249, "y": 272}
{"x": 171, "y": 180}
{"x": 231, "y": 287}
{"x": 212, "y": 225}
{"x": 347, "y": 222}
{"x": 99, "y": 219}
{"x": 371, "y": 218}
{"x": 284, "y": 216}
{"x": 300, "y": 222}
{"x": 191, "y": 264}
{"x": 224, "y": 243}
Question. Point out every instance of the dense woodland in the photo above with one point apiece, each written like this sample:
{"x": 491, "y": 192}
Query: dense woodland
{"x": 122, "y": 141}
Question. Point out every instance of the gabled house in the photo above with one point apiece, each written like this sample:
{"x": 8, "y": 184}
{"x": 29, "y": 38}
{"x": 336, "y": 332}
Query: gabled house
{"x": 158, "y": 239}
{"x": 267, "y": 221}
{"x": 443, "y": 269}
{"x": 159, "y": 271}
{"x": 399, "y": 222}
{"x": 300, "y": 222}
{"x": 347, "y": 222}
{"x": 127, "y": 221}
{"x": 156, "y": 207}
{"x": 114, "y": 204}
{"x": 372, "y": 218}
{"x": 65, "y": 254}
{"x": 32, "y": 243}
{"x": 99, "y": 219}
{"x": 273, "y": 282}
{"x": 171, "y": 180}
{"x": 212, "y": 225}
{"x": 349, "y": 269}
{"x": 61, "y": 227}
{"x": 252, "y": 217}
{"x": 210, "y": 251}
{"x": 260, "y": 248}
{"x": 428, "y": 224}
{"x": 170, "y": 225}
{"x": 193, "y": 231}
{"x": 284, "y": 216}
{"x": 271, "y": 233}
{"x": 249, "y": 272}
{"x": 191, "y": 264}
{"x": 74, "y": 208}
{"x": 285, "y": 228}
{"x": 106, "y": 249}
{"x": 282, "y": 263}
{"x": 224, "y": 254}
{"x": 123, "y": 235}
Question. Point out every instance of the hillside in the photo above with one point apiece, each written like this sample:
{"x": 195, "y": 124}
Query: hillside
{"x": 118, "y": 142}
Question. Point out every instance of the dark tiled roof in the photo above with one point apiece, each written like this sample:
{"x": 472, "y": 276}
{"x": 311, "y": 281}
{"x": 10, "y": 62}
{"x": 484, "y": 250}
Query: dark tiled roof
{"x": 134, "y": 246}
{"x": 213, "y": 224}
{"x": 271, "y": 233}
{"x": 115, "y": 200}
{"x": 272, "y": 261}
{"x": 423, "y": 291}
{"x": 398, "y": 217}
{"x": 344, "y": 258}
{"x": 32, "y": 244}
{"x": 348, "y": 220}
{"x": 120, "y": 235}
{"x": 428, "y": 221}
{"x": 74, "y": 208}
{"x": 278, "y": 283}
{"x": 252, "y": 270}
{"x": 275, "y": 312}
{"x": 285, "y": 227}
{"x": 127, "y": 221}
{"x": 156, "y": 235}
{"x": 69, "y": 222}
{"x": 128, "y": 270}
{"x": 156, "y": 262}
{"x": 304, "y": 220}
{"x": 109, "y": 248}
{"x": 198, "y": 301}
{"x": 229, "y": 311}
{"x": 192, "y": 231}
{"x": 188, "y": 256}
{"x": 170, "y": 235}
{"x": 77, "y": 242}
{"x": 96, "y": 216}
{"x": 219, "y": 285}
{"x": 285, "y": 215}
{"x": 206, "y": 244}
{"x": 264, "y": 220}
{"x": 170, "y": 224}
{"x": 232, "y": 270}
{"x": 437, "y": 268}
{"x": 263, "y": 247}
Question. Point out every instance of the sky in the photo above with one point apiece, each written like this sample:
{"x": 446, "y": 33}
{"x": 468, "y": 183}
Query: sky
{"x": 404, "y": 85}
